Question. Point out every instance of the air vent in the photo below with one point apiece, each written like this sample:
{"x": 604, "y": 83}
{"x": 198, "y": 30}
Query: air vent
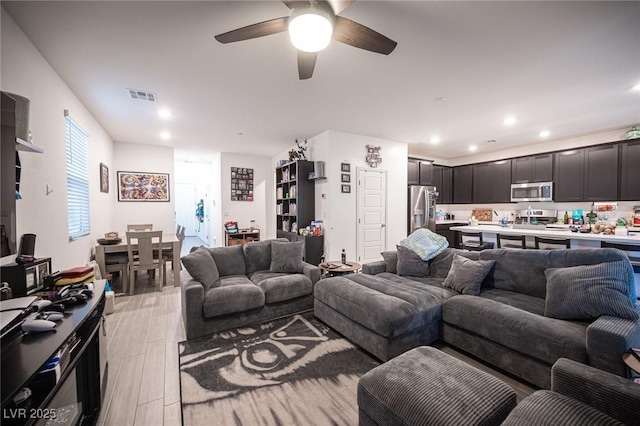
{"x": 142, "y": 95}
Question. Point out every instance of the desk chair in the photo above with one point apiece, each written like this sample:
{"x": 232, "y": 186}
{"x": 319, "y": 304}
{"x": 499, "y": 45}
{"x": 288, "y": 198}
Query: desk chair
{"x": 140, "y": 227}
{"x": 521, "y": 242}
{"x": 475, "y": 242}
{"x": 631, "y": 250}
{"x": 559, "y": 243}
{"x": 145, "y": 260}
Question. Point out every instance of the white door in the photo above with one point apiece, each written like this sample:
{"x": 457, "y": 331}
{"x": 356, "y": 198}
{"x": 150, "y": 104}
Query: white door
{"x": 372, "y": 214}
{"x": 186, "y": 204}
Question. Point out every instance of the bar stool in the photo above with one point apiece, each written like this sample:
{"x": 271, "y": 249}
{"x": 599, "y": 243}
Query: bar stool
{"x": 560, "y": 243}
{"x": 519, "y": 238}
{"x": 629, "y": 250}
{"x": 474, "y": 244}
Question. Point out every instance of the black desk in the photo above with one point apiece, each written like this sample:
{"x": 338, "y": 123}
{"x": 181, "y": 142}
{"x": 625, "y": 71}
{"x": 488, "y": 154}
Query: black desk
{"x": 26, "y": 355}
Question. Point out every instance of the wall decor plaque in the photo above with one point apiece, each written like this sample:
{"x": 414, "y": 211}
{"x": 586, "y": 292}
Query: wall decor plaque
{"x": 241, "y": 184}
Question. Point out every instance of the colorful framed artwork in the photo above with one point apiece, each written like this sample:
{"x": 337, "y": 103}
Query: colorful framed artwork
{"x": 104, "y": 178}
{"x": 139, "y": 186}
{"x": 241, "y": 184}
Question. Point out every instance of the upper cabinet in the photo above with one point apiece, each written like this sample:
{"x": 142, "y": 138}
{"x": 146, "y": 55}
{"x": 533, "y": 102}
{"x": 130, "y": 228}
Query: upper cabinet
{"x": 534, "y": 168}
{"x": 462, "y": 184}
{"x": 413, "y": 175}
{"x": 491, "y": 182}
{"x": 630, "y": 171}
{"x": 601, "y": 173}
{"x": 419, "y": 172}
{"x": 442, "y": 180}
{"x": 569, "y": 176}
{"x": 426, "y": 173}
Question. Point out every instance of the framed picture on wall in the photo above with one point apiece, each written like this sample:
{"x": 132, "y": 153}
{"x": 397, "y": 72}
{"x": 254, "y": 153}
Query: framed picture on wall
{"x": 345, "y": 167}
{"x": 346, "y": 188}
{"x": 345, "y": 177}
{"x": 104, "y": 178}
{"x": 241, "y": 184}
{"x": 142, "y": 186}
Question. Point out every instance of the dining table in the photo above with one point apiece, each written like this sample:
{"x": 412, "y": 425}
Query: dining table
{"x": 169, "y": 241}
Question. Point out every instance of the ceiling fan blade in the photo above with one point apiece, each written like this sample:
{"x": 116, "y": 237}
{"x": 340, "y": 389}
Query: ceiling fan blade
{"x": 292, "y": 4}
{"x": 349, "y": 32}
{"x": 261, "y": 29}
{"x": 339, "y": 5}
{"x": 306, "y": 64}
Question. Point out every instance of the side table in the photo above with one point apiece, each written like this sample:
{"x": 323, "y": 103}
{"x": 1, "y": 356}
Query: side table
{"x": 336, "y": 268}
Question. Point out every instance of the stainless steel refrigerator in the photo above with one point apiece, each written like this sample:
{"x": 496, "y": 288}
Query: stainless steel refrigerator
{"x": 422, "y": 207}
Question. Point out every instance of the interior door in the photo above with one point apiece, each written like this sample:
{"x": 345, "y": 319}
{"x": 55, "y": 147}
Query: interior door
{"x": 372, "y": 214}
{"x": 186, "y": 207}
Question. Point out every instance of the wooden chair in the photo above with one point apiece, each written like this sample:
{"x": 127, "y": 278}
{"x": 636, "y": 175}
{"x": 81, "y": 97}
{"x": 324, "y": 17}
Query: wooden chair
{"x": 475, "y": 242}
{"x": 632, "y": 251}
{"x": 520, "y": 239}
{"x": 167, "y": 254}
{"x": 559, "y": 243}
{"x": 140, "y": 227}
{"x": 145, "y": 260}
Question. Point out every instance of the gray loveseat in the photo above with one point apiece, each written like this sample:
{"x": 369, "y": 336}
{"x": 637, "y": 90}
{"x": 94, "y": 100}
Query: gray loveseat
{"x": 228, "y": 287}
{"x": 387, "y": 314}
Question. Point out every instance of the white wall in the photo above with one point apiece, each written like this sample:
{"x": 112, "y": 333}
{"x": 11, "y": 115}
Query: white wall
{"x": 215, "y": 221}
{"x": 25, "y": 72}
{"x": 130, "y": 157}
{"x": 338, "y": 210}
{"x": 263, "y": 194}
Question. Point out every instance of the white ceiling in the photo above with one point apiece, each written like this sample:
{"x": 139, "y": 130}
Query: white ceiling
{"x": 563, "y": 66}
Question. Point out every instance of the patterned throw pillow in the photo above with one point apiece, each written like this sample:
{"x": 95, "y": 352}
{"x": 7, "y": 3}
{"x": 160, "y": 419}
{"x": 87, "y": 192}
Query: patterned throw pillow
{"x": 410, "y": 264}
{"x": 589, "y": 291}
{"x": 466, "y": 275}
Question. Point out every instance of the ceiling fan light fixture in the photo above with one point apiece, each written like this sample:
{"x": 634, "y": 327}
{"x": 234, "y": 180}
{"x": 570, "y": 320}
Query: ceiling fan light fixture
{"x": 310, "y": 30}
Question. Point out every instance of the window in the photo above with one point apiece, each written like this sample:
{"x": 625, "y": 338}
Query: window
{"x": 77, "y": 179}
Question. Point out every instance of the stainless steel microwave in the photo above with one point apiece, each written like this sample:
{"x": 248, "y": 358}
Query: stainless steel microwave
{"x": 536, "y": 191}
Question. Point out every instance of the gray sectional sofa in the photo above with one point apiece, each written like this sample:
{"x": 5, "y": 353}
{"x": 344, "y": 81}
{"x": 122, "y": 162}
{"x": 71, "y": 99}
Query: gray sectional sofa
{"x": 505, "y": 324}
{"x": 229, "y": 287}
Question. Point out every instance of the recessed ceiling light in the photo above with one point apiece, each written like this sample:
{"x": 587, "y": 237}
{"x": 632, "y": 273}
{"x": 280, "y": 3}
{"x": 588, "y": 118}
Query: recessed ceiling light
{"x": 434, "y": 140}
{"x": 473, "y": 148}
{"x": 165, "y": 135}
{"x": 164, "y": 114}
{"x": 636, "y": 87}
{"x": 510, "y": 121}
{"x": 544, "y": 134}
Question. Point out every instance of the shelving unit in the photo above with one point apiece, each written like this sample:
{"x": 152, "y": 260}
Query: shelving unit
{"x": 294, "y": 196}
{"x": 241, "y": 237}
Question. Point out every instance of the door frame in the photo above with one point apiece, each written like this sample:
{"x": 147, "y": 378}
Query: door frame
{"x": 359, "y": 202}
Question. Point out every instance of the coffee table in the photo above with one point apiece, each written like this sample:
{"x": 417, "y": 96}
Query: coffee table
{"x": 336, "y": 268}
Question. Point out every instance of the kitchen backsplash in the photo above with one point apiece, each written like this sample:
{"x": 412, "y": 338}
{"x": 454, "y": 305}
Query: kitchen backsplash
{"x": 463, "y": 212}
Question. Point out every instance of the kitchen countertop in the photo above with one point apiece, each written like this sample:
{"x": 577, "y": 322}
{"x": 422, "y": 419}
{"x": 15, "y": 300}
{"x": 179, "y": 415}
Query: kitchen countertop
{"x": 493, "y": 229}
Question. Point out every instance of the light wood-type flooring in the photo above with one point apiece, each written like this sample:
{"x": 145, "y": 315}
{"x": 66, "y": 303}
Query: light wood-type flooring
{"x": 143, "y": 386}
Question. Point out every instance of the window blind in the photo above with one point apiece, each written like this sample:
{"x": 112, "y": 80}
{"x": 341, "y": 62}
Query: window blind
{"x": 77, "y": 179}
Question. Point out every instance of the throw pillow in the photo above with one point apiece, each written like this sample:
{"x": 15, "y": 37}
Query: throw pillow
{"x": 410, "y": 264}
{"x": 201, "y": 266}
{"x": 588, "y": 291}
{"x": 391, "y": 261}
{"x": 287, "y": 257}
{"x": 466, "y": 275}
{"x": 230, "y": 260}
{"x": 257, "y": 256}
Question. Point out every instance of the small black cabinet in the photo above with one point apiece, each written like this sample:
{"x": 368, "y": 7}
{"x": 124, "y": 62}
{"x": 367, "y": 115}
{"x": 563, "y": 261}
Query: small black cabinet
{"x": 413, "y": 172}
{"x": 26, "y": 278}
{"x": 426, "y": 173}
{"x": 462, "y": 184}
{"x": 601, "y": 173}
{"x": 569, "y": 175}
{"x": 313, "y": 245}
{"x": 630, "y": 171}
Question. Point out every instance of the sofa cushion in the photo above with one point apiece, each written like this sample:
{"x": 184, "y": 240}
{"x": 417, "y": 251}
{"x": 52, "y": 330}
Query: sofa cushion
{"x": 231, "y": 294}
{"x": 391, "y": 261}
{"x": 588, "y": 292}
{"x": 287, "y": 256}
{"x": 535, "y": 305}
{"x": 279, "y": 286}
{"x": 429, "y": 284}
{"x": 439, "y": 266}
{"x": 201, "y": 267}
{"x": 539, "y": 337}
{"x": 257, "y": 255}
{"x": 521, "y": 271}
{"x": 229, "y": 260}
{"x": 379, "y": 305}
{"x": 410, "y": 263}
{"x": 466, "y": 275}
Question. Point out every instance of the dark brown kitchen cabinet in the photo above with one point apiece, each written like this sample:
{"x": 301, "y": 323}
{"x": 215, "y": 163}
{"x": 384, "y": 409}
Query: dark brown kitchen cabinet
{"x": 491, "y": 182}
{"x": 442, "y": 179}
{"x": 534, "y": 168}
{"x": 462, "y": 184}
{"x": 630, "y": 171}
{"x": 569, "y": 175}
{"x": 601, "y": 173}
{"x": 426, "y": 172}
{"x": 413, "y": 175}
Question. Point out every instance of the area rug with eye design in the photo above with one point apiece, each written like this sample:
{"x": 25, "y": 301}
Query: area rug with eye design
{"x": 290, "y": 371}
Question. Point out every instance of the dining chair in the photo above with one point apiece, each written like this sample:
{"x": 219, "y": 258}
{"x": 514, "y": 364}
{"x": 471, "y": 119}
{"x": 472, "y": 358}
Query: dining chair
{"x": 521, "y": 242}
{"x": 140, "y": 227}
{"x": 167, "y": 254}
{"x": 549, "y": 243}
{"x": 145, "y": 260}
{"x": 631, "y": 250}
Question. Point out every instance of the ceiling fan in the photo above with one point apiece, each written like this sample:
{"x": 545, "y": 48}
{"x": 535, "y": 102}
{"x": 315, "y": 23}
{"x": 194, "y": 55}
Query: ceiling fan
{"x": 311, "y": 26}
